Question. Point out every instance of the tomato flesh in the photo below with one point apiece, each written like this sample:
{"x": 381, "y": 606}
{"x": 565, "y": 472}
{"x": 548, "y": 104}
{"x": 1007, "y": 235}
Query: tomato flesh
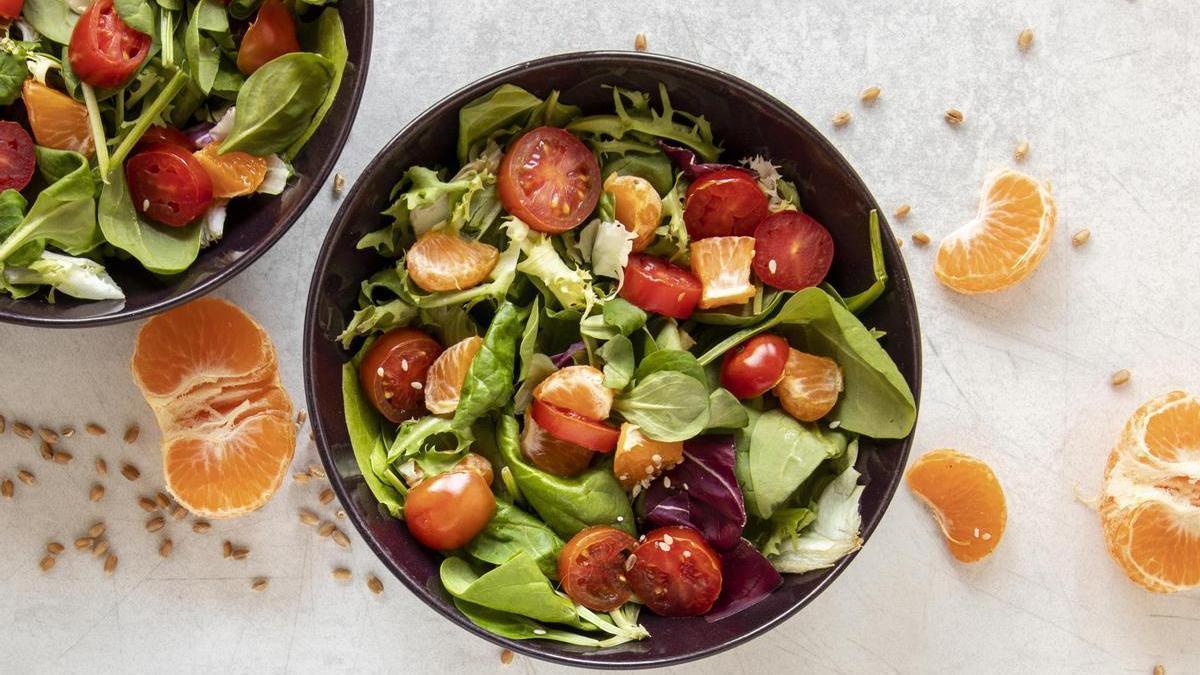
{"x": 661, "y": 287}
{"x": 574, "y": 428}
{"x": 553, "y": 455}
{"x": 591, "y": 567}
{"x": 725, "y": 203}
{"x": 550, "y": 180}
{"x": 17, "y": 159}
{"x": 753, "y": 367}
{"x": 168, "y": 185}
{"x": 11, "y": 9}
{"x": 448, "y": 510}
{"x": 394, "y": 363}
{"x": 272, "y": 35}
{"x": 675, "y": 572}
{"x": 792, "y": 251}
{"x": 104, "y": 51}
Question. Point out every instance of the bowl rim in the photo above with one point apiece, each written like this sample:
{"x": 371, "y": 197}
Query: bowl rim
{"x": 898, "y": 276}
{"x": 355, "y": 93}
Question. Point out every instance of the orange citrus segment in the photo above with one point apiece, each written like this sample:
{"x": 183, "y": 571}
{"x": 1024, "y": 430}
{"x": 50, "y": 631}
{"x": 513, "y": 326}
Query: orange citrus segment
{"x": 58, "y": 121}
{"x": 442, "y": 261}
{"x": 233, "y": 174}
{"x": 1005, "y": 242}
{"x": 810, "y": 386}
{"x": 639, "y": 460}
{"x": 229, "y": 470}
{"x": 579, "y": 389}
{"x": 1150, "y": 502}
{"x": 444, "y": 380}
{"x": 965, "y": 498}
{"x": 636, "y": 205}
{"x": 723, "y": 267}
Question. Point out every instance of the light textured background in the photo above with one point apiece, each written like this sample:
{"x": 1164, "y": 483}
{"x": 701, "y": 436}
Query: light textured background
{"x": 1107, "y": 99}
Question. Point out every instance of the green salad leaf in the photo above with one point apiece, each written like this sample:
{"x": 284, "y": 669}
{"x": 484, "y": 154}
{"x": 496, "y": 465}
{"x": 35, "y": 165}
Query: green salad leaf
{"x": 489, "y": 382}
{"x": 160, "y": 249}
{"x": 667, "y": 405}
{"x": 330, "y": 42}
{"x": 12, "y": 211}
{"x": 776, "y": 454}
{"x": 64, "y": 214}
{"x": 618, "y": 362}
{"x": 141, "y": 15}
{"x": 501, "y": 108}
{"x": 278, "y": 102}
{"x": 860, "y": 302}
{"x": 634, "y": 115}
{"x": 199, "y": 45}
{"x": 52, "y": 18}
{"x": 13, "y": 73}
{"x": 653, "y": 166}
{"x": 834, "y": 533}
{"x": 517, "y": 586}
{"x": 513, "y": 532}
{"x": 725, "y": 411}
{"x": 366, "y": 439}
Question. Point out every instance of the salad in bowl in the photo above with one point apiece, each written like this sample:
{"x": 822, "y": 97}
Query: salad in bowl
{"x": 600, "y": 368}
{"x": 128, "y": 126}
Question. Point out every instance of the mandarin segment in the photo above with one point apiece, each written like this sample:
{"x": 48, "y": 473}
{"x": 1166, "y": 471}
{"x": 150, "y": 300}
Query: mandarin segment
{"x": 579, "y": 389}
{"x": 1005, "y": 242}
{"x": 441, "y": 261}
{"x": 636, "y": 205}
{"x": 723, "y": 266}
{"x": 810, "y": 386}
{"x": 965, "y": 498}
{"x": 444, "y": 380}
{"x": 638, "y": 460}
{"x": 234, "y": 173}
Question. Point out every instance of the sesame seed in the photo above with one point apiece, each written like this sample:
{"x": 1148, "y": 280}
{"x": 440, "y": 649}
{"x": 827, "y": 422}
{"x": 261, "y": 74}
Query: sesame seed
{"x": 668, "y": 539}
{"x": 977, "y": 533}
{"x": 666, "y": 481}
{"x": 418, "y": 386}
{"x": 687, "y": 554}
{"x": 772, "y": 265}
{"x": 539, "y": 631}
{"x": 379, "y": 371}
{"x": 403, "y": 365}
{"x": 620, "y": 519}
{"x": 656, "y": 458}
{"x": 986, "y": 536}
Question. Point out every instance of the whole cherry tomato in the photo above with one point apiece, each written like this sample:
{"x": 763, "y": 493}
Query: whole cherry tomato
{"x": 272, "y": 35}
{"x": 753, "y": 367}
{"x": 448, "y": 510}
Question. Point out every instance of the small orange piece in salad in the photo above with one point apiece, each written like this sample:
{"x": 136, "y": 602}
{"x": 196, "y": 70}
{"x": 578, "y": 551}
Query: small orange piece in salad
{"x": 638, "y": 460}
{"x": 636, "y": 205}
{"x": 58, "y": 121}
{"x": 234, "y": 173}
{"x": 810, "y": 386}
{"x": 579, "y": 389}
{"x": 444, "y": 380}
{"x": 444, "y": 261}
{"x": 723, "y": 266}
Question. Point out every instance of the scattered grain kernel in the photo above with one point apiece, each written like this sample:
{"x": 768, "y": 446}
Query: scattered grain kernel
{"x": 301, "y": 417}
{"x": 48, "y": 435}
{"x": 341, "y": 515}
{"x": 259, "y": 585}
{"x": 239, "y": 553}
{"x": 54, "y": 548}
{"x": 162, "y": 499}
{"x": 1121, "y": 377}
{"x": 326, "y": 529}
{"x": 316, "y": 471}
{"x": 1025, "y": 39}
{"x": 155, "y": 524}
{"x": 67, "y": 432}
{"x": 97, "y": 493}
{"x": 920, "y": 238}
{"x": 23, "y": 430}
{"x": 639, "y": 42}
{"x": 374, "y": 584}
{"x": 110, "y": 564}
{"x": 326, "y": 496}
{"x": 308, "y": 517}
{"x": 899, "y": 242}
{"x": 46, "y": 451}
{"x": 95, "y": 429}
{"x": 841, "y": 119}
{"x": 3, "y": 424}
{"x": 226, "y": 549}
{"x": 26, "y": 477}
{"x": 300, "y": 477}
{"x": 1159, "y": 669}
{"x": 341, "y": 539}
{"x": 47, "y": 563}
{"x": 902, "y": 211}
{"x": 1081, "y": 237}
{"x": 83, "y": 543}
{"x": 132, "y": 433}
{"x": 97, "y": 530}
{"x": 62, "y": 457}
{"x": 101, "y": 466}
{"x": 201, "y": 527}
{"x": 100, "y": 548}
{"x": 506, "y": 656}
{"x": 6, "y": 488}
{"x": 130, "y": 472}
{"x": 148, "y": 505}
{"x": 165, "y": 548}
{"x": 954, "y": 116}
{"x": 342, "y": 574}
{"x": 1021, "y": 152}
{"x": 869, "y": 95}
{"x": 339, "y": 183}
{"x": 179, "y": 513}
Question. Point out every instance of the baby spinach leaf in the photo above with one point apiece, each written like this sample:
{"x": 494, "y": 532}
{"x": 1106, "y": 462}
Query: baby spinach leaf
{"x": 618, "y": 362}
{"x": 671, "y": 360}
{"x": 330, "y": 42}
{"x": 503, "y": 107}
{"x": 568, "y": 505}
{"x": 746, "y": 315}
{"x": 64, "y": 214}
{"x": 725, "y": 411}
{"x": 366, "y": 436}
{"x": 160, "y": 249}
{"x": 667, "y": 405}
{"x": 12, "y": 211}
{"x": 776, "y": 455}
{"x": 52, "y": 18}
{"x": 489, "y": 381}
{"x": 277, "y": 103}
{"x": 140, "y": 15}
{"x": 653, "y": 166}
{"x": 511, "y": 532}
{"x": 516, "y": 627}
{"x": 859, "y": 303}
{"x": 13, "y": 73}
{"x": 203, "y": 56}
{"x": 516, "y": 586}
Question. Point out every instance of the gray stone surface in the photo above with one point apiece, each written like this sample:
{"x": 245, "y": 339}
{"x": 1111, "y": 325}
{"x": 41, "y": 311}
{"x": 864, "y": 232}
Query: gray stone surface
{"x": 1107, "y": 99}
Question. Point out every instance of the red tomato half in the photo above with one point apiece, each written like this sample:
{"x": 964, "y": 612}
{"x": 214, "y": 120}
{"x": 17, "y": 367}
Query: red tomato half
{"x": 661, "y": 287}
{"x": 394, "y": 363}
{"x": 17, "y": 160}
{"x": 792, "y": 251}
{"x": 753, "y": 367}
{"x": 725, "y": 203}
{"x": 161, "y": 134}
{"x": 104, "y": 51}
{"x": 675, "y": 572}
{"x": 591, "y": 567}
{"x": 11, "y": 9}
{"x": 568, "y": 426}
{"x": 550, "y": 180}
{"x": 553, "y": 455}
{"x": 272, "y": 35}
{"x": 447, "y": 511}
{"x": 168, "y": 184}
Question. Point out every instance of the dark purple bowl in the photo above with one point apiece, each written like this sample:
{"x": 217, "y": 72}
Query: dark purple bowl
{"x": 747, "y": 121}
{"x": 252, "y": 226}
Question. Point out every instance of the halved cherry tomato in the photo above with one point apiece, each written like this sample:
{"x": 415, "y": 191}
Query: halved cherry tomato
{"x": 792, "y": 251}
{"x": 553, "y": 455}
{"x": 272, "y": 35}
{"x": 675, "y": 572}
{"x": 17, "y": 160}
{"x": 57, "y": 120}
{"x": 168, "y": 184}
{"x": 724, "y": 203}
{"x": 234, "y": 173}
{"x": 661, "y": 287}
{"x": 591, "y": 567}
{"x": 11, "y": 9}
{"x": 161, "y": 134}
{"x": 573, "y": 428}
{"x": 753, "y": 367}
{"x": 477, "y": 464}
{"x": 393, "y": 371}
{"x": 549, "y": 179}
{"x": 104, "y": 51}
{"x": 447, "y": 511}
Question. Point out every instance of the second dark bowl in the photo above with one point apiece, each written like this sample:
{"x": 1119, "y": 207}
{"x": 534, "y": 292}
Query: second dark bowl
{"x": 747, "y": 121}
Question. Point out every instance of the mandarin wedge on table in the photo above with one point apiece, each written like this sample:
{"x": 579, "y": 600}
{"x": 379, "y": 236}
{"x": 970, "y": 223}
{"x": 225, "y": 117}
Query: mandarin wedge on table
{"x": 1005, "y": 242}
{"x": 1150, "y": 502}
{"x": 965, "y": 499}
{"x": 444, "y": 380}
{"x": 444, "y": 261}
{"x": 210, "y": 375}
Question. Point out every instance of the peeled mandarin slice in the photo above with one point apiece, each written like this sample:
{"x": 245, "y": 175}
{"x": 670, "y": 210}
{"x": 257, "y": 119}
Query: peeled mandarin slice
{"x": 579, "y": 389}
{"x": 639, "y": 460}
{"x": 442, "y": 261}
{"x": 234, "y": 173}
{"x": 444, "y": 380}
{"x": 636, "y": 205}
{"x": 723, "y": 266}
{"x": 1150, "y": 501}
{"x": 57, "y": 120}
{"x": 965, "y": 499}
{"x": 1005, "y": 242}
{"x": 809, "y": 387}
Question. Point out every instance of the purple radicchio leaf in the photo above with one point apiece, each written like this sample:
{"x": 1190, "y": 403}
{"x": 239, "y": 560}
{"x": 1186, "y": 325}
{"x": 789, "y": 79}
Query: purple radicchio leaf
{"x": 747, "y": 577}
{"x": 568, "y": 356}
{"x": 200, "y": 135}
{"x": 685, "y": 161}
{"x": 700, "y": 492}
